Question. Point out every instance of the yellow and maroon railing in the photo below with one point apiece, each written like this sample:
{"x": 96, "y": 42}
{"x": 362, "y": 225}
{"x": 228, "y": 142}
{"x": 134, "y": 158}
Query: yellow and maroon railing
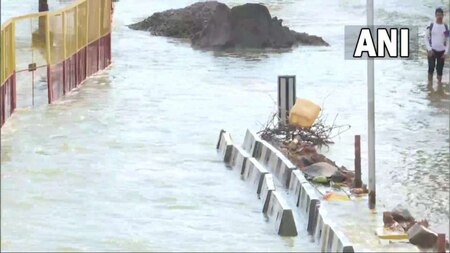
{"x": 66, "y": 45}
{"x": 7, "y": 72}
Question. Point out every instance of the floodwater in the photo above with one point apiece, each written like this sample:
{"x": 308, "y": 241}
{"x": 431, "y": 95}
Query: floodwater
{"x": 128, "y": 161}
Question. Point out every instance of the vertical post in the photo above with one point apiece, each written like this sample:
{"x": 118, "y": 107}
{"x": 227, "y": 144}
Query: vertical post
{"x": 77, "y": 49}
{"x": 2, "y": 56}
{"x": 99, "y": 13}
{"x": 13, "y": 45}
{"x": 64, "y": 31}
{"x": 49, "y": 60}
{"x": 98, "y": 54}
{"x": 1, "y": 106}
{"x": 286, "y": 97}
{"x": 43, "y": 6}
{"x": 3, "y": 101}
{"x": 358, "y": 182}
{"x": 13, "y": 92}
{"x": 371, "y": 114}
{"x": 13, "y": 60}
{"x": 32, "y": 88}
{"x": 49, "y": 84}
{"x": 441, "y": 243}
{"x": 110, "y": 31}
{"x": 86, "y": 62}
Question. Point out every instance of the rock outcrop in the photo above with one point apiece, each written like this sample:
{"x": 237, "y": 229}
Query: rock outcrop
{"x": 214, "y": 25}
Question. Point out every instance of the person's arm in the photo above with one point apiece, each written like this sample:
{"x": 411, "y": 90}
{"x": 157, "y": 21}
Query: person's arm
{"x": 427, "y": 38}
{"x": 447, "y": 39}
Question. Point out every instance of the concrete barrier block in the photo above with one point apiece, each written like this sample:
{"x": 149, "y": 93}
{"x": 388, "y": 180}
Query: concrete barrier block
{"x": 250, "y": 141}
{"x": 295, "y": 185}
{"x": 308, "y": 200}
{"x": 266, "y": 190}
{"x": 220, "y": 138}
{"x": 238, "y": 159}
{"x": 330, "y": 239}
{"x": 323, "y": 240}
{"x": 336, "y": 245}
{"x": 347, "y": 249}
{"x": 263, "y": 152}
{"x": 225, "y": 146}
{"x": 254, "y": 173}
{"x": 319, "y": 226}
{"x": 276, "y": 162}
{"x": 341, "y": 243}
{"x": 281, "y": 214}
{"x": 284, "y": 170}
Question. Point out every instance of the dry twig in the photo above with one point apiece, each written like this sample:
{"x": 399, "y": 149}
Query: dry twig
{"x": 318, "y": 134}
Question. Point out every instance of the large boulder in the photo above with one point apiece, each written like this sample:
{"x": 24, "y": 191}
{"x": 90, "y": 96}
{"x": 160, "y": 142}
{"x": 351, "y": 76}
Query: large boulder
{"x": 251, "y": 25}
{"x": 214, "y": 25}
{"x": 218, "y": 30}
{"x": 180, "y": 23}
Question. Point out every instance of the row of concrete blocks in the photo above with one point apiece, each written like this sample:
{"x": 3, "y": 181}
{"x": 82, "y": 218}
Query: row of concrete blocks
{"x": 256, "y": 161}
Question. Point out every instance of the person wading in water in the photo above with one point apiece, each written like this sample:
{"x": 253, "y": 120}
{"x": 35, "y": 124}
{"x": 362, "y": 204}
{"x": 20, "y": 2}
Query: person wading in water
{"x": 437, "y": 43}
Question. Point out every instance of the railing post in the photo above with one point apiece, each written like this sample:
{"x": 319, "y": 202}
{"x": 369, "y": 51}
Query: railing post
{"x": 86, "y": 62}
{"x": 286, "y": 97}
{"x": 77, "y": 49}
{"x": 49, "y": 59}
{"x": 13, "y": 59}
{"x": 65, "y": 52}
{"x": 99, "y": 13}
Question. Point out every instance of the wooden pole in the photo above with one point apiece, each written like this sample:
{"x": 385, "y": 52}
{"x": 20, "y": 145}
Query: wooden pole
{"x": 358, "y": 181}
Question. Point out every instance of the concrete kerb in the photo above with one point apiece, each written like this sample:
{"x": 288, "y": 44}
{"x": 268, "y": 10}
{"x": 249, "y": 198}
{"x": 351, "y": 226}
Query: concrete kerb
{"x": 284, "y": 219}
{"x": 341, "y": 243}
{"x": 238, "y": 159}
{"x": 267, "y": 188}
{"x": 274, "y": 206}
{"x": 254, "y": 173}
{"x": 330, "y": 239}
{"x": 225, "y": 146}
{"x": 285, "y": 169}
{"x": 306, "y": 196}
{"x": 295, "y": 185}
{"x": 275, "y": 161}
{"x": 250, "y": 141}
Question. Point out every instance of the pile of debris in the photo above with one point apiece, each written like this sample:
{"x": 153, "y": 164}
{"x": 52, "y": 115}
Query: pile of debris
{"x": 400, "y": 220}
{"x": 300, "y": 146}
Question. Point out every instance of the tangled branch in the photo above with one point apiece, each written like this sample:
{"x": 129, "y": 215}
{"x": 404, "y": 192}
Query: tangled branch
{"x": 318, "y": 134}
